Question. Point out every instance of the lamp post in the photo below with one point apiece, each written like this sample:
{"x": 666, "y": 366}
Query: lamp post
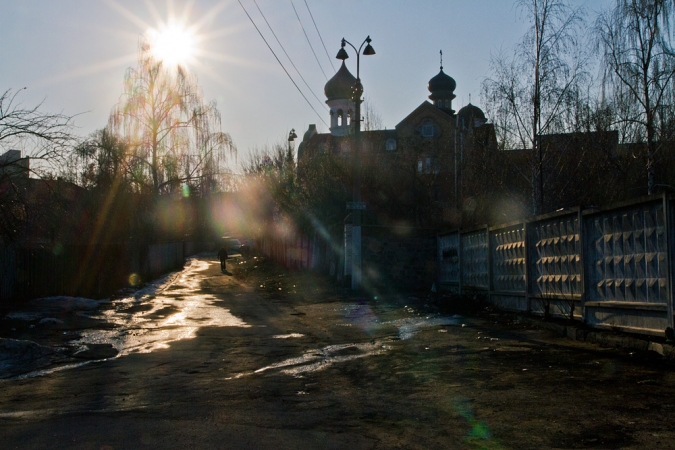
{"x": 357, "y": 206}
{"x": 291, "y": 137}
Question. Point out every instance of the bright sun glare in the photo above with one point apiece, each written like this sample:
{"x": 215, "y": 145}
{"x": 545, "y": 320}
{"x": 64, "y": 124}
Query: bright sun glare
{"x": 173, "y": 44}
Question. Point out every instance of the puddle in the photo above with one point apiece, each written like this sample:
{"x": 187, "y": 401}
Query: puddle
{"x": 170, "y": 309}
{"x": 170, "y": 315}
{"x": 288, "y": 336}
{"x": 320, "y": 359}
{"x": 362, "y": 316}
{"x": 409, "y": 327}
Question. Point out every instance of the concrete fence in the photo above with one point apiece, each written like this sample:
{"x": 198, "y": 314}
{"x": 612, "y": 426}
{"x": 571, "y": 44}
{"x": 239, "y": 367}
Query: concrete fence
{"x": 88, "y": 271}
{"x": 610, "y": 267}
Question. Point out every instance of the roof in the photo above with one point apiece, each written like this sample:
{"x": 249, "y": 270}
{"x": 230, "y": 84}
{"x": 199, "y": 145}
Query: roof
{"x": 425, "y": 108}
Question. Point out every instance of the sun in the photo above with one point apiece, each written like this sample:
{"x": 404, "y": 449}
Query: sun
{"x": 173, "y": 44}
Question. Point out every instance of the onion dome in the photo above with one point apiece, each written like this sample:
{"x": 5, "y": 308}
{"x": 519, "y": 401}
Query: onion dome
{"x": 469, "y": 114}
{"x": 340, "y": 86}
{"x": 442, "y": 86}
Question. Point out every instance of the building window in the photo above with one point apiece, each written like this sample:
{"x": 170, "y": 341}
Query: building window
{"x": 447, "y": 104}
{"x": 428, "y": 165}
{"x": 340, "y": 117}
{"x": 420, "y": 165}
{"x": 391, "y": 144}
{"x": 428, "y": 130}
{"x": 435, "y": 168}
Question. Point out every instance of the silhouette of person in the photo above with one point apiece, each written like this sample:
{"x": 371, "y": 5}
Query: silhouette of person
{"x": 222, "y": 255}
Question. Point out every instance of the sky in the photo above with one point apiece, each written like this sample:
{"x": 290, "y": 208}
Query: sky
{"x": 72, "y": 54}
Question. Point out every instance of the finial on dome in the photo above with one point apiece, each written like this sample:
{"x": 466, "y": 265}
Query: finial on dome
{"x": 441, "y": 59}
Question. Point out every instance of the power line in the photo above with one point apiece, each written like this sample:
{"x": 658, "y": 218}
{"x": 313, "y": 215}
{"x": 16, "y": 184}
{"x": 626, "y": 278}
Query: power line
{"x": 330, "y": 60}
{"x": 289, "y": 58}
{"x": 282, "y": 66}
{"x": 308, "y": 41}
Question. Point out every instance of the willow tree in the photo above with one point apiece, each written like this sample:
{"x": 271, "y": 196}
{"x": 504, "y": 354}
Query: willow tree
{"x": 639, "y": 58}
{"x": 533, "y": 91}
{"x": 174, "y": 136}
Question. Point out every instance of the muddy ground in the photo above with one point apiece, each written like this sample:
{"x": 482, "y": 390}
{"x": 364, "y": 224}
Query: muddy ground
{"x": 265, "y": 358}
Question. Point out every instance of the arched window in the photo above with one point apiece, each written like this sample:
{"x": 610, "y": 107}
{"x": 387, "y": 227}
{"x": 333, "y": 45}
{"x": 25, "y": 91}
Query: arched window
{"x": 428, "y": 130}
{"x": 447, "y": 104}
{"x": 391, "y": 144}
{"x": 340, "y": 117}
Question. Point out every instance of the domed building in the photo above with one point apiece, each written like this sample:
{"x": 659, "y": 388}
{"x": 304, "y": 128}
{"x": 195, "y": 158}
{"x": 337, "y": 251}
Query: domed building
{"x": 432, "y": 139}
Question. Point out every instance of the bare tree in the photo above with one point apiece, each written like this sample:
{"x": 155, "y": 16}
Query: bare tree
{"x": 530, "y": 91}
{"x": 44, "y": 137}
{"x": 636, "y": 45}
{"x": 371, "y": 118}
{"x": 174, "y": 136}
{"x": 32, "y": 142}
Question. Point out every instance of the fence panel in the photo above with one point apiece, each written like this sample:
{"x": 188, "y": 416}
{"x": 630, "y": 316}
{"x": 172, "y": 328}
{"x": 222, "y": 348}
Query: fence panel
{"x": 556, "y": 284}
{"x": 509, "y": 270}
{"x": 448, "y": 260}
{"x": 474, "y": 260}
{"x": 8, "y": 269}
{"x": 627, "y": 268}
{"x": 165, "y": 257}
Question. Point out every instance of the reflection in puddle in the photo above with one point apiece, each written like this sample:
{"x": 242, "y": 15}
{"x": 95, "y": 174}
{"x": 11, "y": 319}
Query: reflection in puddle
{"x": 362, "y": 316}
{"x": 151, "y": 322}
{"x": 408, "y": 327}
{"x": 288, "y": 336}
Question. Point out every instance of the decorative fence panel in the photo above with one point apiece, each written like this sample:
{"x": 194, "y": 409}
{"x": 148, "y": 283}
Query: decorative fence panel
{"x": 448, "y": 258}
{"x": 627, "y": 266}
{"x": 557, "y": 272}
{"x": 509, "y": 271}
{"x": 610, "y": 268}
{"x": 474, "y": 260}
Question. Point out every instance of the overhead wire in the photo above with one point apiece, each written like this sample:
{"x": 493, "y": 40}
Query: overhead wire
{"x": 308, "y": 41}
{"x": 280, "y": 63}
{"x": 330, "y": 60}
{"x": 289, "y": 58}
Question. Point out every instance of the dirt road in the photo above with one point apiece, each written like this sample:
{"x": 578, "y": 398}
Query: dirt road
{"x": 261, "y": 358}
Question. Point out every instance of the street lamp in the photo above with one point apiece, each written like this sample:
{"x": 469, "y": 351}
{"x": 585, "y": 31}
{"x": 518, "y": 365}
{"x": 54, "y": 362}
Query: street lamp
{"x": 357, "y": 206}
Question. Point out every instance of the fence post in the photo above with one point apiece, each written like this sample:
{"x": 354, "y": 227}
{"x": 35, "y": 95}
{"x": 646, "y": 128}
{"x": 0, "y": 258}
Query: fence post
{"x": 528, "y": 259}
{"x": 668, "y": 219}
{"x": 583, "y": 254}
{"x": 460, "y": 259}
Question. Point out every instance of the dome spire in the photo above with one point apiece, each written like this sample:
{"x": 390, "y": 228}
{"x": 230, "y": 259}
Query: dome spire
{"x": 442, "y": 89}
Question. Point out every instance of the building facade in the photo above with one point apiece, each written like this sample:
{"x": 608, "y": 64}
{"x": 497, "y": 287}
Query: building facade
{"x": 413, "y": 173}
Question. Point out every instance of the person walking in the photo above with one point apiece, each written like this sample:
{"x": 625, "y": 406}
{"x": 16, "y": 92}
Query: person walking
{"x": 222, "y": 255}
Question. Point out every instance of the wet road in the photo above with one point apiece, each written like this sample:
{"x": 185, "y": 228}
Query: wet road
{"x": 261, "y": 358}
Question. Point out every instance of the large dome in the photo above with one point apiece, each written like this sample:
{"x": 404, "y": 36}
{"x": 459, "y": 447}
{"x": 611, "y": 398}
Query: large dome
{"x": 442, "y": 86}
{"x": 340, "y": 86}
{"x": 469, "y": 114}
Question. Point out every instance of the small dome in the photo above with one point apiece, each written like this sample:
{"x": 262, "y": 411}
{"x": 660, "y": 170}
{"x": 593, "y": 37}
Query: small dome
{"x": 340, "y": 86}
{"x": 442, "y": 86}
{"x": 469, "y": 114}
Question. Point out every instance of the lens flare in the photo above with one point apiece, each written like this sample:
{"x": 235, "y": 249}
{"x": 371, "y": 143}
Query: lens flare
{"x": 134, "y": 279}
